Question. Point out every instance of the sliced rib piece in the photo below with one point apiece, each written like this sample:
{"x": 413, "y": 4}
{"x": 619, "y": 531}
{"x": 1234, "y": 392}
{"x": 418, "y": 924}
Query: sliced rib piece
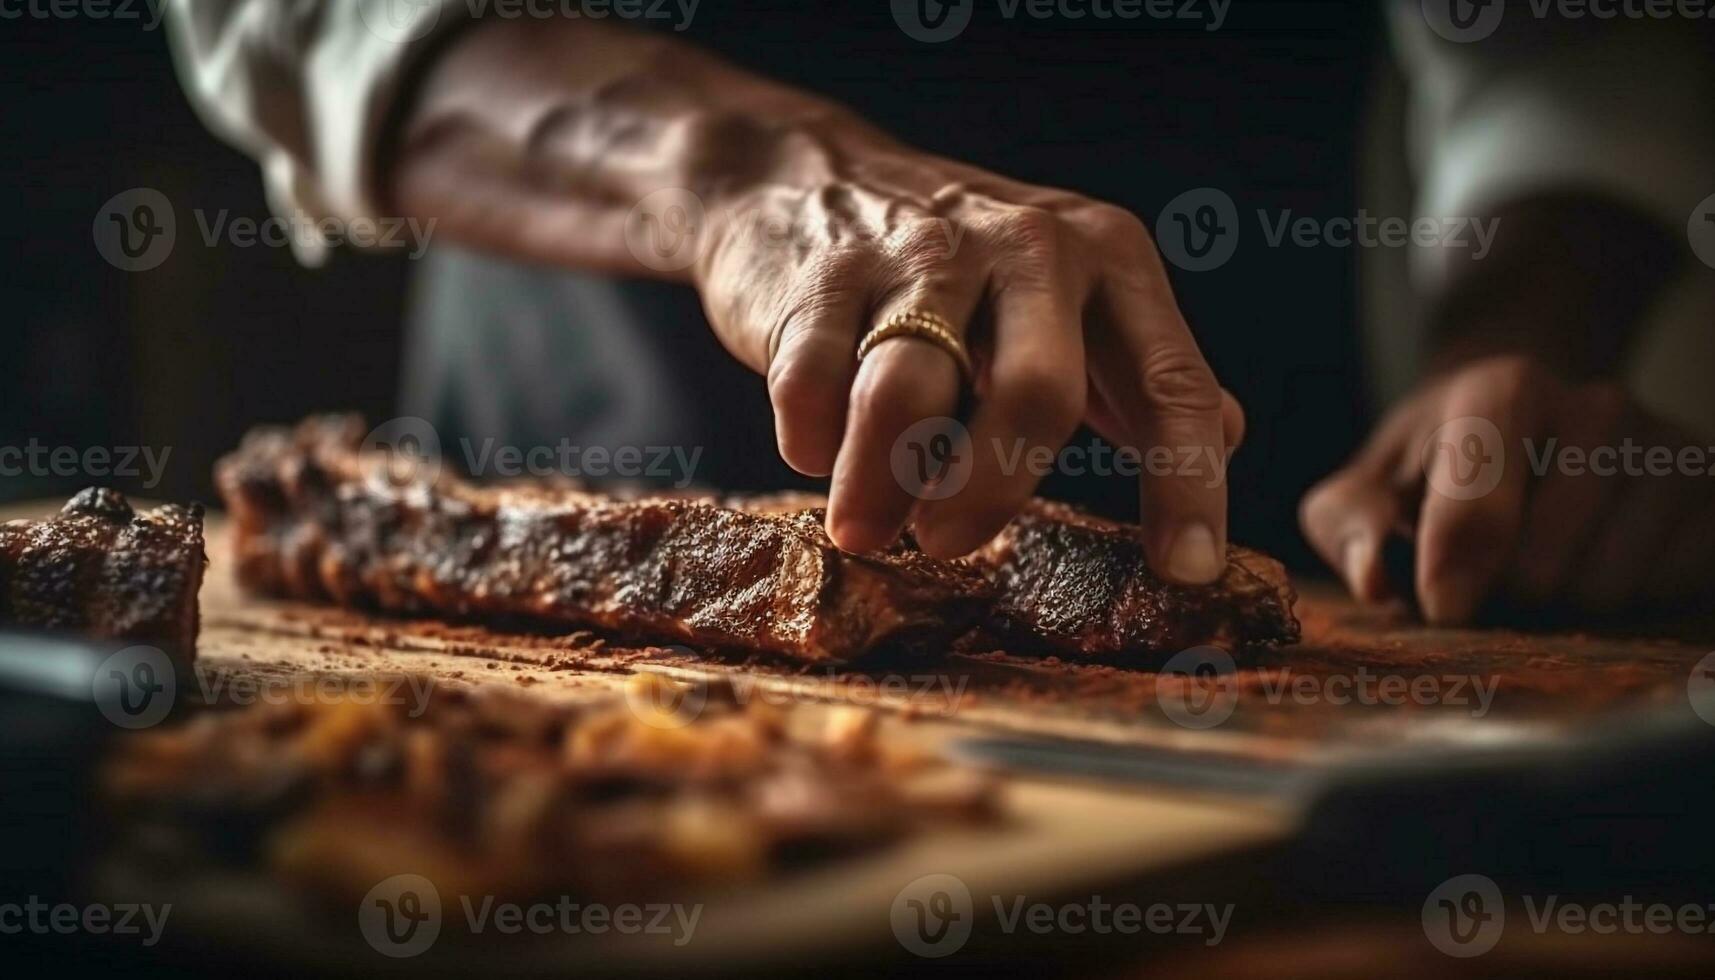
{"x": 1076, "y": 584}
{"x": 316, "y": 516}
{"x": 1079, "y": 584}
{"x": 99, "y": 568}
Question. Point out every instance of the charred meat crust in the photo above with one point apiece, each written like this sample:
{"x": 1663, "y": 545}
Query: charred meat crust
{"x": 316, "y": 517}
{"x": 1076, "y": 584}
{"x": 101, "y": 569}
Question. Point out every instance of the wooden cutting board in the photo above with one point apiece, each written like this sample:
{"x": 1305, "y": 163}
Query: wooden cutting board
{"x": 1363, "y": 680}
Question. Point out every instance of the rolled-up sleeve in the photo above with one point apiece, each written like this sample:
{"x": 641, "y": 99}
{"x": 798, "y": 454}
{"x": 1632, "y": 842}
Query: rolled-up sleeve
{"x": 1618, "y": 107}
{"x": 306, "y": 88}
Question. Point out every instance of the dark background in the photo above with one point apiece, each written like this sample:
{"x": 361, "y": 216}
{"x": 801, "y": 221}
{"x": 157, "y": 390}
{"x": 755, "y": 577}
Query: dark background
{"x": 192, "y": 353}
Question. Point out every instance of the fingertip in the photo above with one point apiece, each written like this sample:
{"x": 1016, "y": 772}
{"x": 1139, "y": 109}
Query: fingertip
{"x": 1192, "y": 556}
{"x": 857, "y": 535}
{"x": 813, "y": 460}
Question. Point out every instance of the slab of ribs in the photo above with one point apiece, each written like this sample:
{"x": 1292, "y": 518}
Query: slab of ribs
{"x": 316, "y": 516}
{"x": 101, "y": 569}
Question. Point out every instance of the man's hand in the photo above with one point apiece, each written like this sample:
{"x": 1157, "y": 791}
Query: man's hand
{"x": 1515, "y": 483}
{"x": 549, "y": 141}
{"x": 1063, "y": 299}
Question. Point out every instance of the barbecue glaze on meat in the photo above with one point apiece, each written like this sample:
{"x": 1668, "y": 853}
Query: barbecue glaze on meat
{"x": 99, "y": 568}
{"x": 315, "y": 516}
{"x": 1078, "y": 584}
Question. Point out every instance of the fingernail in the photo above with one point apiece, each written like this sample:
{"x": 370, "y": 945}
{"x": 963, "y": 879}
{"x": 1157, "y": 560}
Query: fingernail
{"x": 1194, "y": 559}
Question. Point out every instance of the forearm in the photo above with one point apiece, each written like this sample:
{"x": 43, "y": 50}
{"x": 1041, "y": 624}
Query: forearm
{"x": 537, "y": 141}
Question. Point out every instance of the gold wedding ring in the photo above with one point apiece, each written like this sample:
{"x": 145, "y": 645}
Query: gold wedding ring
{"x": 923, "y": 326}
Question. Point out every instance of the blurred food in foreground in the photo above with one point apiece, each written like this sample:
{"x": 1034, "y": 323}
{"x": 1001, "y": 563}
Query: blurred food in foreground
{"x": 485, "y": 792}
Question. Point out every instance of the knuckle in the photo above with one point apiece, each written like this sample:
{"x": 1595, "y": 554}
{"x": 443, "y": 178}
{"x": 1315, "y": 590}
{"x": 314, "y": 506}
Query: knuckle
{"x": 799, "y": 384}
{"x": 1113, "y": 224}
{"x": 921, "y": 241}
{"x": 1176, "y": 381}
{"x": 1029, "y": 229}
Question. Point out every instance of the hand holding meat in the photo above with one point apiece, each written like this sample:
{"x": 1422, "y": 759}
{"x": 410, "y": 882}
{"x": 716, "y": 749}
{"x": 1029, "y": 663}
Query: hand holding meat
{"x": 815, "y": 228}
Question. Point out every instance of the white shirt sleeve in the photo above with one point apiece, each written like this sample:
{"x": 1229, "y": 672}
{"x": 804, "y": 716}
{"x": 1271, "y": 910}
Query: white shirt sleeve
{"x": 1618, "y": 106}
{"x": 305, "y": 88}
